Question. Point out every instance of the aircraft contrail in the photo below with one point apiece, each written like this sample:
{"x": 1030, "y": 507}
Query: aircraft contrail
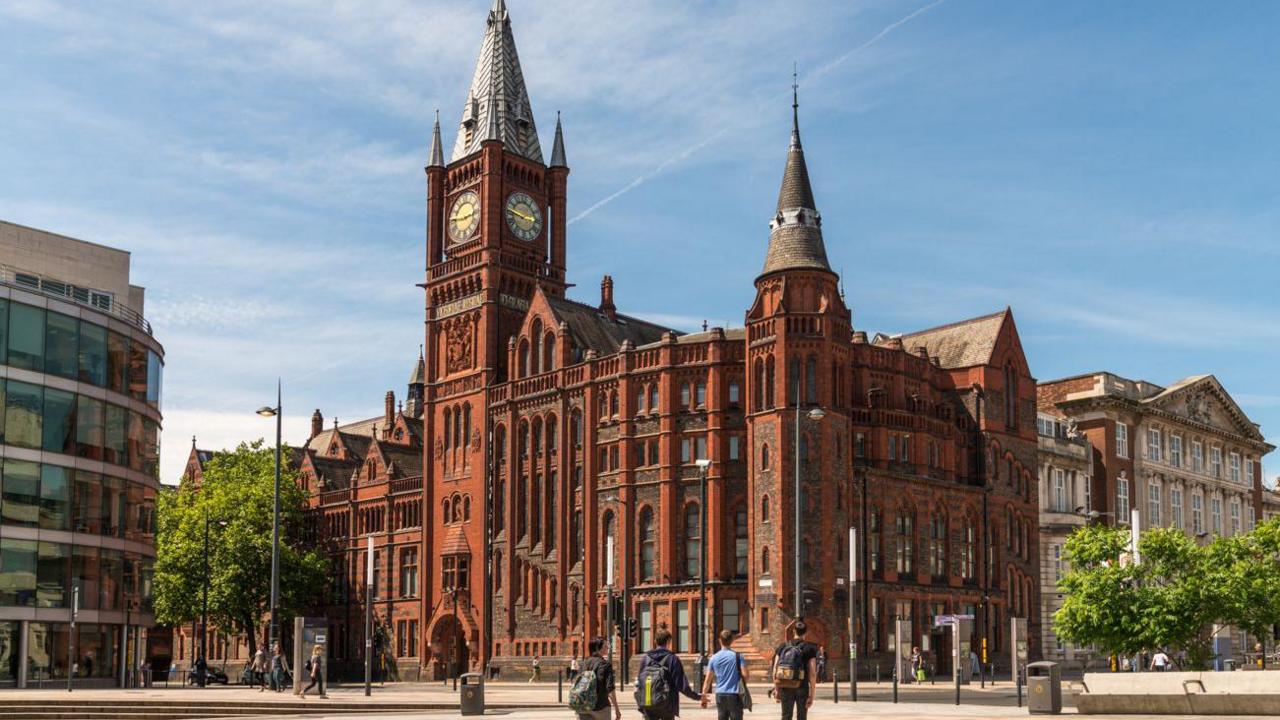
{"x": 646, "y": 177}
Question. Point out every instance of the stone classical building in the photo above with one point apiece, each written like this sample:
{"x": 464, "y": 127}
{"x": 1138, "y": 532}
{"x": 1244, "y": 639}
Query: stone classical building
{"x": 1184, "y": 456}
{"x": 1066, "y": 497}
{"x": 80, "y": 376}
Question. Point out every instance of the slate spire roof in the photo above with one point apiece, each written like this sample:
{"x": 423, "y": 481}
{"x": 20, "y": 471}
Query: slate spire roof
{"x": 795, "y": 238}
{"x": 557, "y": 149}
{"x": 437, "y": 148}
{"x": 497, "y": 106}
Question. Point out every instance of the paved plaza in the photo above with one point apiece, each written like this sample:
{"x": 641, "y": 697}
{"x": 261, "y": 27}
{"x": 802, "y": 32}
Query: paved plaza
{"x": 521, "y": 700}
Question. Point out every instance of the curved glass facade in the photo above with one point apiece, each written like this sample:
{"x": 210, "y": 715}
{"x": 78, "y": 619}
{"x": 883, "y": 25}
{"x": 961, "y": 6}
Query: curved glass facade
{"x": 79, "y": 467}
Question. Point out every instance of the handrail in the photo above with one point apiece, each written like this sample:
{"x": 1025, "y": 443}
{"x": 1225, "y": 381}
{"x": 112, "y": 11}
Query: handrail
{"x": 65, "y": 291}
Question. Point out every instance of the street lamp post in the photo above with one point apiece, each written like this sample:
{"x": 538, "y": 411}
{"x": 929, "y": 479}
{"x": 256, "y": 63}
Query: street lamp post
{"x": 814, "y": 414}
{"x": 703, "y": 465}
{"x": 454, "y": 652}
{"x": 368, "y": 620}
{"x": 980, "y": 461}
{"x": 278, "y": 414}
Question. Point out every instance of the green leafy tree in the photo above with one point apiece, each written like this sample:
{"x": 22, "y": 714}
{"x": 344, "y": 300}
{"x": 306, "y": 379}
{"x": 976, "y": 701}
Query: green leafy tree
{"x": 1247, "y": 568}
{"x": 234, "y": 506}
{"x": 1165, "y": 601}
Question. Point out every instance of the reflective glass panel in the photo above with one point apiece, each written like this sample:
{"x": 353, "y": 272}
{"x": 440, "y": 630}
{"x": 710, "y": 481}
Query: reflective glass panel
{"x": 59, "y": 421}
{"x": 4, "y": 329}
{"x": 47, "y": 645}
{"x": 89, "y": 434}
{"x": 55, "y": 498}
{"x": 26, "y": 337}
{"x": 52, "y": 574}
{"x": 17, "y": 572}
{"x": 88, "y": 502}
{"x": 155, "y": 369}
{"x": 9, "y": 641}
{"x": 23, "y": 404}
{"x": 115, "y": 445}
{"x": 117, "y": 362}
{"x": 60, "y": 339}
{"x": 86, "y": 575}
{"x": 138, "y": 371}
{"x": 93, "y": 353}
{"x": 20, "y": 501}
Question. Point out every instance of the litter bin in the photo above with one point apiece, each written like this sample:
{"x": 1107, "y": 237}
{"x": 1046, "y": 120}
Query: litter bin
{"x": 1044, "y": 688}
{"x": 471, "y": 693}
{"x": 1229, "y": 664}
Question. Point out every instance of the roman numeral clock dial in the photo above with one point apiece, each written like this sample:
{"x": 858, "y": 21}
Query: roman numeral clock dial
{"x": 523, "y": 216}
{"x": 464, "y": 217}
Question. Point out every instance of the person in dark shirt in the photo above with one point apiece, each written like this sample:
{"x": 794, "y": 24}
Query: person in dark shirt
{"x": 660, "y": 655}
{"x": 605, "y": 683}
{"x": 797, "y": 700}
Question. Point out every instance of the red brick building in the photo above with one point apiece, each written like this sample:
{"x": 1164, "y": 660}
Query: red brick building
{"x": 542, "y": 430}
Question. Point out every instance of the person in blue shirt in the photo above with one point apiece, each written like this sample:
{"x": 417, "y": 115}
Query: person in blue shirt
{"x": 727, "y": 674}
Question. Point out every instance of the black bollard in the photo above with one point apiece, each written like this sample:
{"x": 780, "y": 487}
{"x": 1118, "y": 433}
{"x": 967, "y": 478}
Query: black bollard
{"x": 895, "y": 686}
{"x": 560, "y": 686}
{"x": 957, "y": 688}
{"x": 835, "y": 687}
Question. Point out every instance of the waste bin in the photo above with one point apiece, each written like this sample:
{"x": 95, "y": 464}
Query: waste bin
{"x": 471, "y": 693}
{"x": 1229, "y": 664}
{"x": 1044, "y": 688}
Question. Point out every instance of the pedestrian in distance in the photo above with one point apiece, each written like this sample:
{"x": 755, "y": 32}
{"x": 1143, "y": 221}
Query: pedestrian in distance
{"x": 661, "y": 681}
{"x": 573, "y": 667}
{"x": 822, "y": 664}
{"x": 537, "y": 670}
{"x": 917, "y": 665}
{"x": 315, "y": 670}
{"x": 1160, "y": 661}
{"x": 727, "y": 676}
{"x": 279, "y": 668}
{"x": 258, "y": 669}
{"x": 795, "y": 670}
{"x": 594, "y": 688}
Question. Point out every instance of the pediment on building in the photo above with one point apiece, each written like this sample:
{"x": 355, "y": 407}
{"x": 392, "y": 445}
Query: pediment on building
{"x": 1201, "y": 399}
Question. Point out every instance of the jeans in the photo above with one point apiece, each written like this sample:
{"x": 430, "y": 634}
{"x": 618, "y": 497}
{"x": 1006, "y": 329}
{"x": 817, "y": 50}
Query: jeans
{"x": 795, "y": 700}
{"x": 728, "y": 706}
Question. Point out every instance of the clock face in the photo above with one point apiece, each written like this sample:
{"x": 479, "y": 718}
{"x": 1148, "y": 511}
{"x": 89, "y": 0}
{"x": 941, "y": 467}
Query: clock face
{"x": 523, "y": 216}
{"x": 464, "y": 218}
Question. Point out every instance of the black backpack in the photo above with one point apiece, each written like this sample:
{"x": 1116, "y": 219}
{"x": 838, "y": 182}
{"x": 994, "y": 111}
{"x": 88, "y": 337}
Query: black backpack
{"x": 653, "y": 687}
{"x": 790, "y": 670}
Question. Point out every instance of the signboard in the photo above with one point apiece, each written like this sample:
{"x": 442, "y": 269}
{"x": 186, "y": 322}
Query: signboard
{"x": 961, "y": 631}
{"x": 1018, "y": 647}
{"x": 901, "y": 647}
{"x": 941, "y": 620}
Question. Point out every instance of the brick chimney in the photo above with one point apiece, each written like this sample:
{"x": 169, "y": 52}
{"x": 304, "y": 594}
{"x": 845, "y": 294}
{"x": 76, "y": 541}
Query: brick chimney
{"x": 317, "y": 423}
{"x": 606, "y": 298}
{"x": 390, "y": 409}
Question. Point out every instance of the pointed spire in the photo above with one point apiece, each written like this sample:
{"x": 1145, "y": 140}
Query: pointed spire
{"x": 795, "y": 238}
{"x": 557, "y": 149}
{"x": 437, "y": 149}
{"x": 497, "y": 106}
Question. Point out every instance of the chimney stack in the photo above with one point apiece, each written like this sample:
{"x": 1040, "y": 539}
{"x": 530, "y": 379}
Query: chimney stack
{"x": 606, "y": 298}
{"x": 317, "y": 423}
{"x": 391, "y": 409}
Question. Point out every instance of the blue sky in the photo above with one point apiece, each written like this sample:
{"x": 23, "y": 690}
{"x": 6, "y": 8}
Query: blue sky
{"x": 1108, "y": 169}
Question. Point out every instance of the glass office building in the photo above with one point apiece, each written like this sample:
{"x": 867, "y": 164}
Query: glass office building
{"x": 80, "y": 379}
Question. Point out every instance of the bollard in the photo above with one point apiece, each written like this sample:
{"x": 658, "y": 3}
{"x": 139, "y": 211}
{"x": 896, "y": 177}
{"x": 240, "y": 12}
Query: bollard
{"x": 877, "y": 673}
{"x": 895, "y": 685}
{"x": 560, "y": 686}
{"x": 835, "y": 687}
{"x": 958, "y": 686}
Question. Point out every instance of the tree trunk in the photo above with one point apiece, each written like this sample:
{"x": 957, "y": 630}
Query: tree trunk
{"x": 250, "y": 630}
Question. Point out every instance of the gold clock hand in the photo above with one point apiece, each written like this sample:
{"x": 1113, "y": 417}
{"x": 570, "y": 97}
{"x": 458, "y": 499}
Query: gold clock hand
{"x": 522, "y": 216}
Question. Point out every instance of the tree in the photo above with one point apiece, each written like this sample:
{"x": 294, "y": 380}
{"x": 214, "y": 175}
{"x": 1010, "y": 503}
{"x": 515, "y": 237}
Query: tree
{"x": 1248, "y": 571}
{"x": 234, "y": 505}
{"x": 1165, "y": 601}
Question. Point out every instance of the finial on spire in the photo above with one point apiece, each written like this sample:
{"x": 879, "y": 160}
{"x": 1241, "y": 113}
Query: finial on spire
{"x": 557, "y": 149}
{"x": 437, "y": 149}
{"x": 193, "y": 442}
{"x": 795, "y": 105}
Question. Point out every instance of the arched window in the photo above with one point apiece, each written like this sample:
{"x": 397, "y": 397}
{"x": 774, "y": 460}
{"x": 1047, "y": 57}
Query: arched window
{"x": 700, "y": 394}
{"x": 793, "y": 380}
{"x": 607, "y": 534}
{"x": 456, "y": 508}
{"x": 764, "y": 456}
{"x": 466, "y": 508}
{"x": 764, "y": 509}
{"x": 575, "y": 532}
{"x": 548, "y": 352}
{"x": 522, "y": 358}
{"x": 500, "y": 444}
{"x": 613, "y": 403}
{"x": 757, "y": 394}
{"x": 938, "y": 546}
{"x": 764, "y": 619}
{"x": 811, "y": 380}
{"x": 551, "y": 433}
{"x": 906, "y": 542}
{"x": 768, "y": 382}
{"x": 457, "y": 427}
{"x": 448, "y": 428}
{"x": 535, "y": 509}
{"x": 740, "y": 559}
{"x": 692, "y": 541}
{"x": 764, "y": 560}
{"x": 536, "y": 365}
{"x": 967, "y": 557}
{"x": 640, "y": 395}
{"x": 685, "y": 397}
{"x": 499, "y": 504}
{"x": 653, "y": 398}
{"x": 648, "y": 546}
{"x": 875, "y": 531}
{"x": 466, "y": 424}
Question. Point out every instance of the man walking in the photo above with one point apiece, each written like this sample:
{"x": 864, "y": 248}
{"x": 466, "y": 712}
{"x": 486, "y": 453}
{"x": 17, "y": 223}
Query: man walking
{"x": 795, "y": 670}
{"x": 596, "y": 681}
{"x": 727, "y": 674}
{"x": 537, "y": 670}
{"x": 661, "y": 681}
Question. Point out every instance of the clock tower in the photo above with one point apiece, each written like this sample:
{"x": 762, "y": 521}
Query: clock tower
{"x": 495, "y": 233}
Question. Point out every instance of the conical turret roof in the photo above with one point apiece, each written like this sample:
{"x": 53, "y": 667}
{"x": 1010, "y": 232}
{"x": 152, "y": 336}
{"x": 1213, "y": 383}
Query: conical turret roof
{"x": 795, "y": 238}
{"x": 497, "y": 106}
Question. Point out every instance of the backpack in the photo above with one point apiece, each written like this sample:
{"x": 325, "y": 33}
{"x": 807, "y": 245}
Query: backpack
{"x": 307, "y": 665}
{"x": 583, "y": 695}
{"x": 789, "y": 671}
{"x": 653, "y": 687}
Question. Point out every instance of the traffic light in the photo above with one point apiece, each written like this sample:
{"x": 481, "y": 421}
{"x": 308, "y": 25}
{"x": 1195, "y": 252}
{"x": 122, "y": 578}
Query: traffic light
{"x": 633, "y": 628}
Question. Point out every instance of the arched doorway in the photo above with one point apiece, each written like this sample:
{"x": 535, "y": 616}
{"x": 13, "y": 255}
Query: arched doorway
{"x": 449, "y": 648}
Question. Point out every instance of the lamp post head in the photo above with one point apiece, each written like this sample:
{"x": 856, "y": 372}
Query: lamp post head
{"x": 817, "y": 414}
{"x": 703, "y": 464}
{"x": 267, "y": 411}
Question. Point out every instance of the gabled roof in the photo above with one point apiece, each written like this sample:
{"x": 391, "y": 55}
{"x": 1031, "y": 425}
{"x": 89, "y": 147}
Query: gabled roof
{"x": 497, "y": 106}
{"x": 593, "y": 330}
{"x": 967, "y": 343}
{"x": 1198, "y": 410}
{"x": 404, "y": 461}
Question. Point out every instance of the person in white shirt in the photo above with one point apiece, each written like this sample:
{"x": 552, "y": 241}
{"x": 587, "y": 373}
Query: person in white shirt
{"x": 1160, "y": 661}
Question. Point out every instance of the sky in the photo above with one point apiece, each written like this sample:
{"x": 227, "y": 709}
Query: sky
{"x": 1107, "y": 169}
